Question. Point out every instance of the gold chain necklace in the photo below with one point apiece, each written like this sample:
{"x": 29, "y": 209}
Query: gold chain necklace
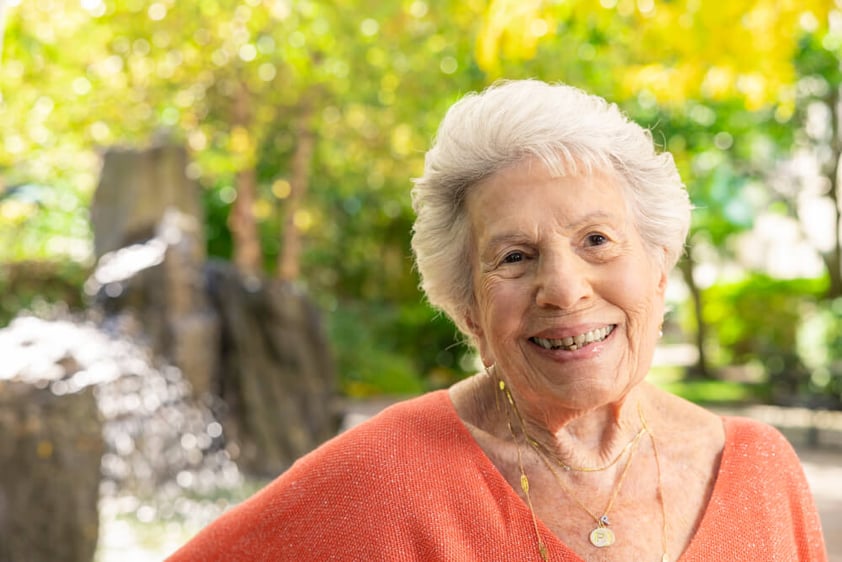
{"x": 601, "y": 536}
{"x": 665, "y": 557}
{"x": 524, "y": 481}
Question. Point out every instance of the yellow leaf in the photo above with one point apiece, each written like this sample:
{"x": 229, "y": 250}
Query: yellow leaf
{"x": 240, "y": 141}
{"x": 510, "y": 27}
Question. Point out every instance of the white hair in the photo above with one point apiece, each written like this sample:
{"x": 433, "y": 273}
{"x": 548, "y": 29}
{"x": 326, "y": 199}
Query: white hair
{"x": 568, "y": 130}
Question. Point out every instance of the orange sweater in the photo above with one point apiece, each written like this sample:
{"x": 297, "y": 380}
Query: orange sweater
{"x": 412, "y": 484}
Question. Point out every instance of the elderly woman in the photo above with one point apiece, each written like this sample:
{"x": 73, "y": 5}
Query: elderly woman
{"x": 547, "y": 227}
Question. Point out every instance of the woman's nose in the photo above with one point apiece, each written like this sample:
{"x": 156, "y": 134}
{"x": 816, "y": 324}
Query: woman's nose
{"x": 562, "y": 281}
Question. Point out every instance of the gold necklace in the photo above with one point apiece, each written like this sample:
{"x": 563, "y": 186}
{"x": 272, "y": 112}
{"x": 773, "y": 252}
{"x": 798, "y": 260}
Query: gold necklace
{"x": 535, "y": 444}
{"x": 524, "y": 481}
{"x": 601, "y": 536}
{"x": 664, "y": 531}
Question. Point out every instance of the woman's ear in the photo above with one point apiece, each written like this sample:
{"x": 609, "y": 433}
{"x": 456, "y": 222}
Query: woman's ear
{"x": 472, "y": 324}
{"x": 664, "y": 274}
{"x": 478, "y": 336}
{"x": 662, "y": 282}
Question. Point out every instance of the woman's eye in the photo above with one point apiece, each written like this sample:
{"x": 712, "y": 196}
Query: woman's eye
{"x": 513, "y": 257}
{"x": 596, "y": 239}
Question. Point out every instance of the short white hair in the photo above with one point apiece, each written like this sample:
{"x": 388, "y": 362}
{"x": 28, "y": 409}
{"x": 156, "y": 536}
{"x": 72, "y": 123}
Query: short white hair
{"x": 569, "y": 131}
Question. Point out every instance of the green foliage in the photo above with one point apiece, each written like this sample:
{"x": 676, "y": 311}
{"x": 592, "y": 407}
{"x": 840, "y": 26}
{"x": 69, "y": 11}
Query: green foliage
{"x": 382, "y": 348}
{"x": 229, "y": 78}
{"x": 817, "y": 58}
{"x": 758, "y": 314}
{"x": 756, "y": 321}
{"x": 41, "y": 287}
{"x": 820, "y": 345}
{"x": 43, "y": 222}
{"x": 711, "y": 392}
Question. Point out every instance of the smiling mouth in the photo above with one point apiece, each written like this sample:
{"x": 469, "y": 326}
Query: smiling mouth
{"x": 572, "y": 343}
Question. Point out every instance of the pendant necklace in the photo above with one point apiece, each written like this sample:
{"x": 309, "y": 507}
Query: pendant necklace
{"x": 524, "y": 481}
{"x": 601, "y": 536}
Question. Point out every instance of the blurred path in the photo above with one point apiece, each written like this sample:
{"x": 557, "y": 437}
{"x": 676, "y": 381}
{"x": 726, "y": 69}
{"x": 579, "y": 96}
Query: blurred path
{"x": 824, "y": 472}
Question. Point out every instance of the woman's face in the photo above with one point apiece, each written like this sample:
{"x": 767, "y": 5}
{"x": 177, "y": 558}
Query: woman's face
{"x": 568, "y": 301}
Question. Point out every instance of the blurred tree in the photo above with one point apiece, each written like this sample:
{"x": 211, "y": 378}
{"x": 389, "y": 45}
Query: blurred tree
{"x": 263, "y": 92}
{"x": 818, "y": 114}
{"x": 306, "y": 119}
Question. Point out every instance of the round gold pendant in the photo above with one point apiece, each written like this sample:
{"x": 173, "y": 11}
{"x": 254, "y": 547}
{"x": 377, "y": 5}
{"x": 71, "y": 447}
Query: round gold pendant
{"x": 602, "y": 537}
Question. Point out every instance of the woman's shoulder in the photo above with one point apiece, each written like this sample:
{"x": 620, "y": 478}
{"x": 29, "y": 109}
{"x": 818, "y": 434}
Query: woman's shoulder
{"x": 758, "y": 454}
{"x": 425, "y": 417}
{"x": 687, "y": 425}
{"x": 731, "y": 432}
{"x": 401, "y": 429}
{"x": 745, "y": 431}
{"x": 754, "y": 443}
{"x": 760, "y": 479}
{"x": 737, "y": 440}
{"x": 350, "y": 488}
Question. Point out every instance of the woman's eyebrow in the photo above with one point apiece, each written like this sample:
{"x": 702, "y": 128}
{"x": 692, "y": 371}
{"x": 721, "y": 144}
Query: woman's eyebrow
{"x": 591, "y": 217}
{"x": 504, "y": 238}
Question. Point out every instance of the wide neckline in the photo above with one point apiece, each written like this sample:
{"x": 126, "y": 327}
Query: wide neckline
{"x": 556, "y": 543}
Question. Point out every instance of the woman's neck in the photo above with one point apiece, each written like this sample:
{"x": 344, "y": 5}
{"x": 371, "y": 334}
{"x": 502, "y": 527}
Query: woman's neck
{"x": 587, "y": 439}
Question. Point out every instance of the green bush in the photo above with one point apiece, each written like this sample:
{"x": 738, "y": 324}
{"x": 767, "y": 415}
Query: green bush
{"x": 756, "y": 322}
{"x": 820, "y": 344}
{"x": 41, "y": 287}
{"x": 386, "y": 348}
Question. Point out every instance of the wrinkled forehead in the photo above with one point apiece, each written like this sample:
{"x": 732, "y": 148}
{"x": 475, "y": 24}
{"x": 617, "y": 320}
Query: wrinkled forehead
{"x": 530, "y": 189}
{"x": 534, "y": 167}
{"x": 527, "y": 196}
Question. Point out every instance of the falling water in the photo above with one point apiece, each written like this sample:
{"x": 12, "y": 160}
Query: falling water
{"x": 165, "y": 461}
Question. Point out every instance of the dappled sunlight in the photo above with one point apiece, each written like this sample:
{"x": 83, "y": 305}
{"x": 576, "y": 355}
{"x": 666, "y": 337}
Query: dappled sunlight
{"x": 301, "y": 126}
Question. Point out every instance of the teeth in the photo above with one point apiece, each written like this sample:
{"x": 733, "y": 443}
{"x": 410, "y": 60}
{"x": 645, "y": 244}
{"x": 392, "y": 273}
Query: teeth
{"x": 571, "y": 343}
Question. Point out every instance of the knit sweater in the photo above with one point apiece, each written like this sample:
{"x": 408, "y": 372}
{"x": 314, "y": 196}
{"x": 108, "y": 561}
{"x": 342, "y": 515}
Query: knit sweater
{"x": 412, "y": 484}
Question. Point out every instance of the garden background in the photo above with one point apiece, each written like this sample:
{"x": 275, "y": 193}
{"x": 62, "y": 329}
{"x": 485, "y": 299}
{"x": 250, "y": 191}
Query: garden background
{"x": 304, "y": 122}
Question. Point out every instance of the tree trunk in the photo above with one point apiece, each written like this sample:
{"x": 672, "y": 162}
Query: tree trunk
{"x": 289, "y": 258}
{"x": 833, "y": 259}
{"x": 686, "y": 266}
{"x": 247, "y": 251}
